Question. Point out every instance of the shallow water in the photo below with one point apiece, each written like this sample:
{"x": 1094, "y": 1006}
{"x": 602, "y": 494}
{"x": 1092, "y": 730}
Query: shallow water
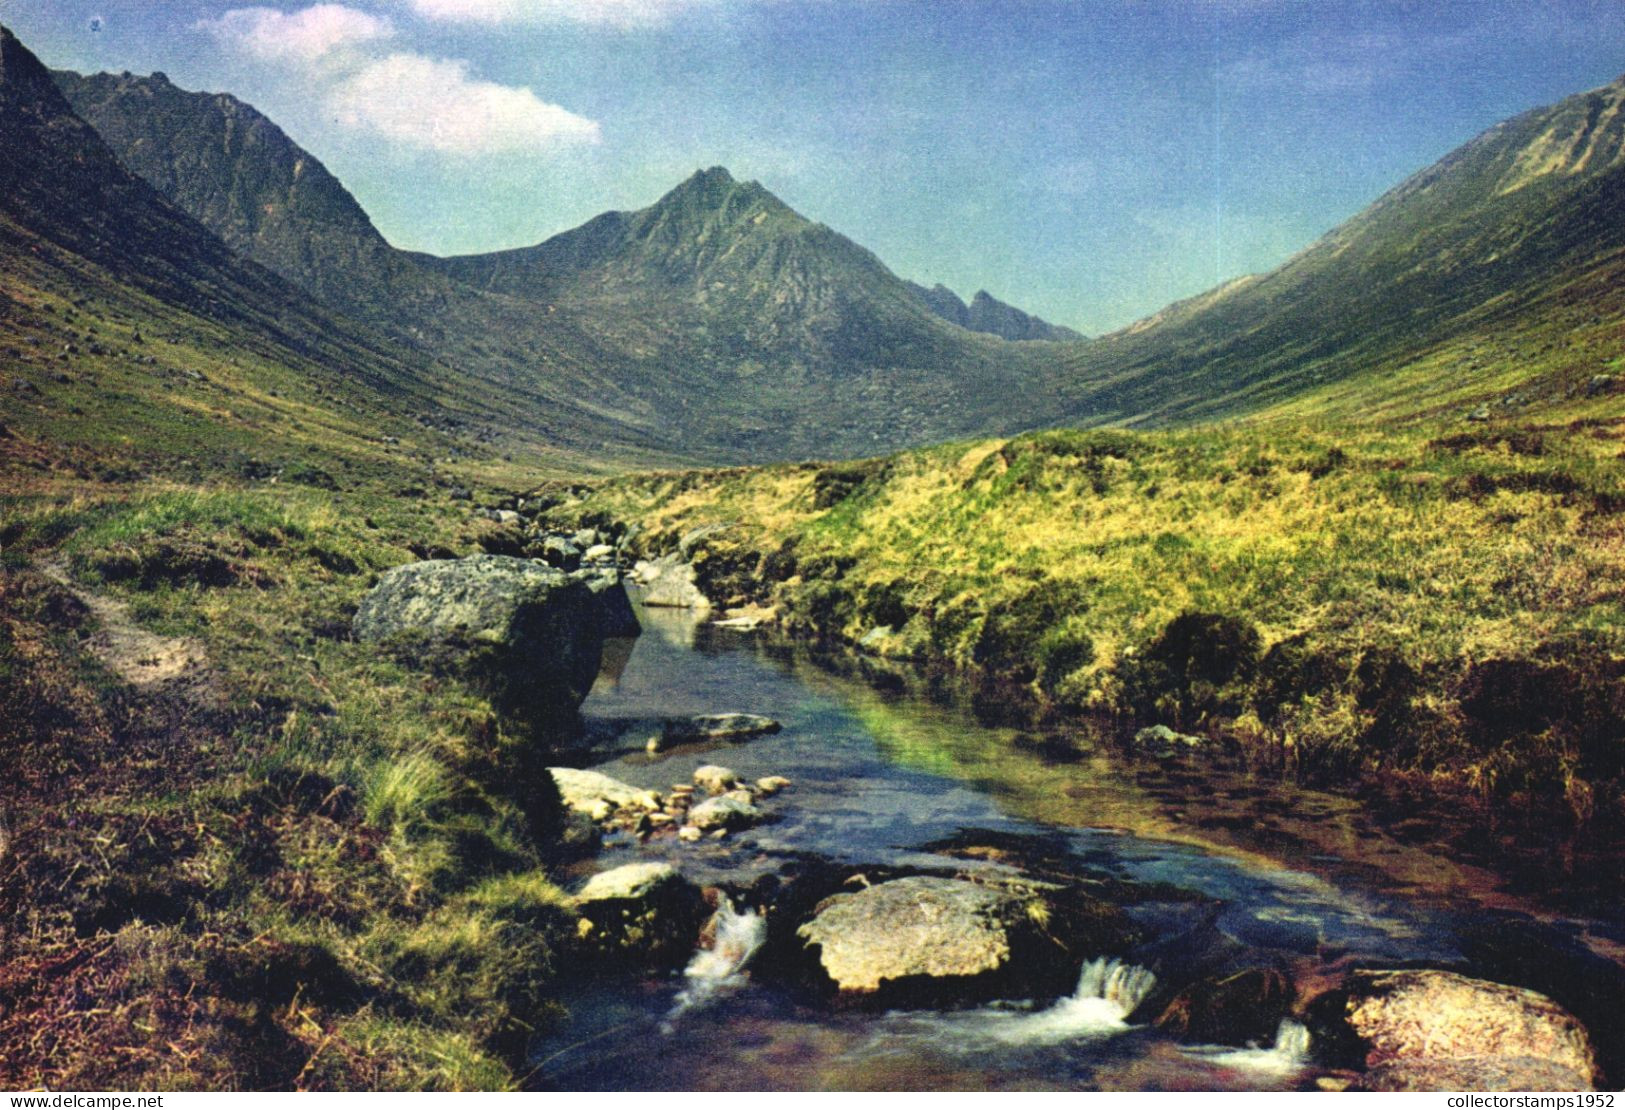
{"x": 1310, "y": 881}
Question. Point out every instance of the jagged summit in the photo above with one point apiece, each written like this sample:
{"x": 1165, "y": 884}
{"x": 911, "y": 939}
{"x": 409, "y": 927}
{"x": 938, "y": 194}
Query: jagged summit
{"x": 59, "y": 180}
{"x": 986, "y": 313}
{"x": 237, "y": 172}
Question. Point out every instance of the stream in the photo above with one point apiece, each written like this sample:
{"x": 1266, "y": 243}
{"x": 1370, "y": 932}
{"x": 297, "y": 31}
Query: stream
{"x": 1313, "y": 882}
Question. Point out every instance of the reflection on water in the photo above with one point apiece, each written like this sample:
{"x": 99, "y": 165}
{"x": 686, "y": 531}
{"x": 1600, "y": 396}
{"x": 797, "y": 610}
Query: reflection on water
{"x": 1309, "y": 881}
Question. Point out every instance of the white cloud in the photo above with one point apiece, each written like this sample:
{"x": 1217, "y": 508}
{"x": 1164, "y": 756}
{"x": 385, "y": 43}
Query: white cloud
{"x": 302, "y": 36}
{"x": 412, "y": 99}
{"x": 616, "y": 14}
{"x": 436, "y": 104}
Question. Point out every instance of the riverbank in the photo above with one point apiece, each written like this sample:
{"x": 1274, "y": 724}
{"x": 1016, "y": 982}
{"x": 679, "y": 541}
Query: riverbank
{"x": 1219, "y": 868}
{"x": 240, "y": 848}
{"x": 1442, "y": 607}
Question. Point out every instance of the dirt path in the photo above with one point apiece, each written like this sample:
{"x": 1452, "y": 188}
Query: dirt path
{"x": 139, "y": 657}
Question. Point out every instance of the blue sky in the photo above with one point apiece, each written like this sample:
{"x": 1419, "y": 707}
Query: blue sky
{"x": 1089, "y": 160}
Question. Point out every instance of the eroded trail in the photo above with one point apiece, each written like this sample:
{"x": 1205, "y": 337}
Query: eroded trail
{"x": 138, "y": 656}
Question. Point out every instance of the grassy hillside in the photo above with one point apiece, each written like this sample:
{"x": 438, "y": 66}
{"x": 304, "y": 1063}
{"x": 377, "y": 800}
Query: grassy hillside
{"x": 1444, "y": 601}
{"x": 1518, "y": 232}
{"x": 271, "y": 857}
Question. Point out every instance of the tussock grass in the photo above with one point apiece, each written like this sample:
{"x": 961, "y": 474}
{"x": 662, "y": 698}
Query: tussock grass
{"x": 1326, "y": 596}
{"x": 304, "y": 865}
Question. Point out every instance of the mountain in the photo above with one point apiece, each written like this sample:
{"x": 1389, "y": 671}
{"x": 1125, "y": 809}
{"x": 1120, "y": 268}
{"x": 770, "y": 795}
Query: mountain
{"x": 129, "y": 331}
{"x": 59, "y": 181}
{"x": 1496, "y": 271}
{"x": 236, "y": 172}
{"x": 91, "y": 255}
{"x": 742, "y": 278}
{"x": 987, "y": 313}
{"x": 647, "y": 330}
{"x": 719, "y": 325}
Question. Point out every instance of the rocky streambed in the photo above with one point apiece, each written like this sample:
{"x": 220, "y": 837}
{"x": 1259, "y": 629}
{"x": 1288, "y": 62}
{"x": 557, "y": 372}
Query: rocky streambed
{"x": 791, "y": 880}
{"x": 902, "y": 897}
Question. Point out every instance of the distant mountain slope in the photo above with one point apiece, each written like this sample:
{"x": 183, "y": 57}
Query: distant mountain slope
{"x": 648, "y": 331}
{"x": 720, "y": 325}
{"x": 1452, "y": 257}
{"x": 987, "y": 313}
{"x": 59, "y": 181}
{"x": 743, "y": 279}
{"x": 126, "y": 322}
{"x": 237, "y": 173}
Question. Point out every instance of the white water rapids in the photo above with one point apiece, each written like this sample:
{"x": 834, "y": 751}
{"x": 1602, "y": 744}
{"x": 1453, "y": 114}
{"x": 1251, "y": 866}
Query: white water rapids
{"x": 718, "y": 970}
{"x": 1108, "y": 992}
{"x": 1288, "y": 1054}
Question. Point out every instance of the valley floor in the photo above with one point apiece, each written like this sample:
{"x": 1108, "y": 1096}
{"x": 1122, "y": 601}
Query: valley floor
{"x": 242, "y": 850}
{"x": 1444, "y": 603}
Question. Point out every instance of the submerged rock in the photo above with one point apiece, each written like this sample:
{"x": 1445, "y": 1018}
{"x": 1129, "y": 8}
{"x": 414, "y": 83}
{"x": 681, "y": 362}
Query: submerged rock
{"x": 527, "y": 635}
{"x": 938, "y": 939}
{"x": 669, "y": 583}
{"x": 1239, "y": 1009}
{"x": 1406, "y": 1024}
{"x": 718, "y": 726}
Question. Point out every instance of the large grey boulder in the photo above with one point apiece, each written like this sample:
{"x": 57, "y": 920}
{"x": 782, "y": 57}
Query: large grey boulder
{"x": 1406, "y": 1025}
{"x": 924, "y": 938}
{"x": 529, "y": 636}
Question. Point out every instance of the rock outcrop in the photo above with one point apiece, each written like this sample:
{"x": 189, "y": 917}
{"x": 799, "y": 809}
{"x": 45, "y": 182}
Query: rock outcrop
{"x": 599, "y": 795}
{"x": 529, "y": 636}
{"x": 642, "y": 912}
{"x": 1405, "y": 1026}
{"x": 668, "y": 582}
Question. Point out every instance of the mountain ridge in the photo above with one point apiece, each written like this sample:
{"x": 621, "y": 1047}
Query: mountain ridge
{"x": 986, "y": 313}
{"x": 637, "y": 327}
{"x": 1445, "y": 254}
{"x": 724, "y": 325}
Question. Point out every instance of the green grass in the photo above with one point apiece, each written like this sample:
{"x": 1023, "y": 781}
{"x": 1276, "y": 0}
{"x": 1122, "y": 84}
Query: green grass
{"x": 1358, "y": 581}
{"x": 305, "y": 816}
